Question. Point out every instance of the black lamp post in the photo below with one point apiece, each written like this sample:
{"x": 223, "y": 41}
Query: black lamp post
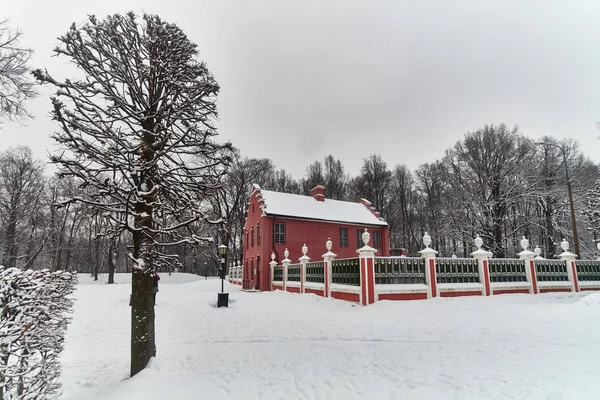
{"x": 570, "y": 193}
{"x": 222, "y": 298}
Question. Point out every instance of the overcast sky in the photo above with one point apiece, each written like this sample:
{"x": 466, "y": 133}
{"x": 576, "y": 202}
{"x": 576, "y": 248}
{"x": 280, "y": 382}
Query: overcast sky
{"x": 405, "y": 79}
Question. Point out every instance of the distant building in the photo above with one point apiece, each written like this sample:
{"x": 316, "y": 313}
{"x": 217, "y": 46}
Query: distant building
{"x": 278, "y": 221}
{"x": 398, "y": 252}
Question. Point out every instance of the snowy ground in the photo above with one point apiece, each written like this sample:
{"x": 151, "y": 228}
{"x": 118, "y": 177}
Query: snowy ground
{"x": 286, "y": 346}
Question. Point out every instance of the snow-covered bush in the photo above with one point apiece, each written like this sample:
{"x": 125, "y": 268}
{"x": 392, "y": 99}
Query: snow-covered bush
{"x": 35, "y": 308}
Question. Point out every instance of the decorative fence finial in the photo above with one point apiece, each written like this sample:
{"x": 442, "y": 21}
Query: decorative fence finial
{"x": 426, "y": 240}
{"x": 598, "y": 246}
{"x": 328, "y": 244}
{"x": 286, "y": 253}
{"x": 304, "y": 249}
{"x": 538, "y": 251}
{"x": 478, "y": 242}
{"x": 524, "y": 243}
{"x": 454, "y": 255}
{"x": 273, "y": 256}
{"x": 366, "y": 236}
{"x": 564, "y": 245}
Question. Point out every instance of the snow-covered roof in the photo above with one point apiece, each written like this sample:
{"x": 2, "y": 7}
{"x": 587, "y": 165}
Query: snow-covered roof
{"x": 307, "y": 207}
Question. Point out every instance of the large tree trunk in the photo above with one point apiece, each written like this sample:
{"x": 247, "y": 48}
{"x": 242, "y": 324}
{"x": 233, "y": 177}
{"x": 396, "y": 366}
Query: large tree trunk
{"x": 111, "y": 261}
{"x": 10, "y": 257}
{"x": 90, "y": 253}
{"x": 548, "y": 213}
{"x": 60, "y": 240}
{"x": 3, "y": 361}
{"x": 143, "y": 345}
{"x": 96, "y": 258}
{"x": 74, "y": 226}
{"x": 30, "y": 262}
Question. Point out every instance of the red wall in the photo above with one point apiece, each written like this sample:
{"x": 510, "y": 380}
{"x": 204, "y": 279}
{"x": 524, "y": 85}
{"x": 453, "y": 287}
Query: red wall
{"x": 297, "y": 233}
{"x": 315, "y": 234}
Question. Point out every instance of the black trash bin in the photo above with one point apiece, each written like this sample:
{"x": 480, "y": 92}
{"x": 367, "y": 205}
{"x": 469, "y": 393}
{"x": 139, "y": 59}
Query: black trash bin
{"x": 223, "y": 300}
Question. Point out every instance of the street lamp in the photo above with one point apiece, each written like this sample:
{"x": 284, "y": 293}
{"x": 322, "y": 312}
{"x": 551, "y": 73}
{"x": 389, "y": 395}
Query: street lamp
{"x": 570, "y": 192}
{"x": 222, "y": 298}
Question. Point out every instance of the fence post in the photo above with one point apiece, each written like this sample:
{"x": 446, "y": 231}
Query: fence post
{"x": 303, "y": 260}
{"x": 327, "y": 259}
{"x": 598, "y": 247}
{"x": 429, "y": 255}
{"x": 569, "y": 258}
{"x": 272, "y": 264}
{"x": 285, "y": 262}
{"x": 482, "y": 257}
{"x": 538, "y": 253}
{"x": 366, "y": 258}
{"x": 528, "y": 258}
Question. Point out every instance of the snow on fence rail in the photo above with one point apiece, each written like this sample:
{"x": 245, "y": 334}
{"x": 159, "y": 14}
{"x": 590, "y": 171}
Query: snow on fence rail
{"x": 367, "y": 278}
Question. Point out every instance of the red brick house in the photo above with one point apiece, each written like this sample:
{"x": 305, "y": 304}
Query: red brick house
{"x": 278, "y": 221}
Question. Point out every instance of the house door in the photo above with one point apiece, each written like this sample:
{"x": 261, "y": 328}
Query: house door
{"x": 257, "y": 273}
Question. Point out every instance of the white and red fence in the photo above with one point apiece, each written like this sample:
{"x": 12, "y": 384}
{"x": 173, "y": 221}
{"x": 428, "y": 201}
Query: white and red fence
{"x": 235, "y": 274}
{"x": 368, "y": 278}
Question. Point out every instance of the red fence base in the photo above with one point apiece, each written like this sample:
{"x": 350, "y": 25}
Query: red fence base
{"x": 403, "y": 296}
{"x": 314, "y": 291}
{"x": 511, "y": 291}
{"x": 567, "y": 290}
{"x": 355, "y": 297}
{"x": 460, "y": 294}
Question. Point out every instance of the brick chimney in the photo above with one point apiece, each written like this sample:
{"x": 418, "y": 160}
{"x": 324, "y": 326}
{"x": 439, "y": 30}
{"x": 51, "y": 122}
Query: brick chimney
{"x": 318, "y": 192}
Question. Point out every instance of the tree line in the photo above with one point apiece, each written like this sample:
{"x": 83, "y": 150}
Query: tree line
{"x": 494, "y": 182}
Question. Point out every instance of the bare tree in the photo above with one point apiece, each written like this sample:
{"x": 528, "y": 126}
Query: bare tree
{"x": 487, "y": 170}
{"x": 21, "y": 187}
{"x": 128, "y": 128}
{"x": 231, "y": 200}
{"x": 374, "y": 183}
{"x": 314, "y": 176}
{"x": 16, "y": 85}
{"x": 281, "y": 181}
{"x": 592, "y": 210}
{"x": 335, "y": 179}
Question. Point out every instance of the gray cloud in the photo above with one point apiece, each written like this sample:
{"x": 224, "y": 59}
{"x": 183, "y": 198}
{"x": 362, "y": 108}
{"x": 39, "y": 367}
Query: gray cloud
{"x": 406, "y": 79}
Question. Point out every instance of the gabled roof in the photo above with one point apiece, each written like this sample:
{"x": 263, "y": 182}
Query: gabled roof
{"x": 307, "y": 207}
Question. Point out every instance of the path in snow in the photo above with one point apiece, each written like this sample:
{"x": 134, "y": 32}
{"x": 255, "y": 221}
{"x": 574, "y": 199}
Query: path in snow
{"x": 287, "y": 346}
